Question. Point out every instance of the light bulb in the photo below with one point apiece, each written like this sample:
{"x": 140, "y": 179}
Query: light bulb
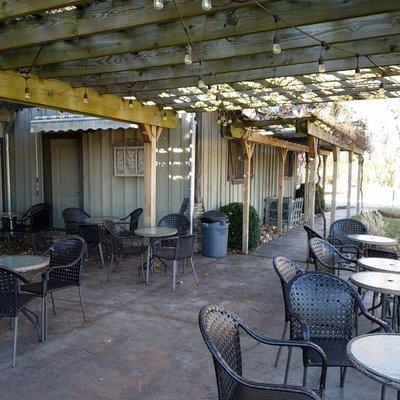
{"x": 276, "y": 48}
{"x": 225, "y": 123}
{"x": 321, "y": 65}
{"x": 206, "y": 5}
{"x": 230, "y": 121}
{"x": 357, "y": 73}
{"x": 218, "y": 121}
{"x": 158, "y": 4}
{"x": 27, "y": 92}
{"x": 381, "y": 90}
{"x": 202, "y": 84}
{"x": 130, "y": 103}
{"x": 188, "y": 56}
{"x": 209, "y": 91}
{"x": 85, "y": 98}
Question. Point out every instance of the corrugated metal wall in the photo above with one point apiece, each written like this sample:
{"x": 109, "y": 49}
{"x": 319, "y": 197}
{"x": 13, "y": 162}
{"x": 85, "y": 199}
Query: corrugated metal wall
{"x": 215, "y": 188}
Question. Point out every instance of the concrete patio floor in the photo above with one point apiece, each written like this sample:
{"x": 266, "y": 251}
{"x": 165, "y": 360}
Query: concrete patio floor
{"x": 143, "y": 342}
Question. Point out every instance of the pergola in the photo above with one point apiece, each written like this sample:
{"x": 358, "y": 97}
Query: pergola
{"x": 124, "y": 60}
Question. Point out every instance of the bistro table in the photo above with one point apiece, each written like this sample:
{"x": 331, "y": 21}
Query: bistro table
{"x": 380, "y": 282}
{"x": 380, "y": 264}
{"x": 153, "y": 233}
{"x": 377, "y": 356}
{"x": 29, "y": 266}
{"x": 372, "y": 240}
{"x": 99, "y": 220}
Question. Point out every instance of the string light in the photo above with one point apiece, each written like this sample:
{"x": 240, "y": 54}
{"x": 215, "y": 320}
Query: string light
{"x": 276, "y": 48}
{"x": 357, "y": 72}
{"x": 206, "y": 5}
{"x": 188, "y": 56}
{"x": 130, "y": 103}
{"x": 321, "y": 64}
{"x": 85, "y": 97}
{"x": 201, "y": 84}
{"x": 158, "y": 4}
{"x": 381, "y": 89}
{"x": 27, "y": 91}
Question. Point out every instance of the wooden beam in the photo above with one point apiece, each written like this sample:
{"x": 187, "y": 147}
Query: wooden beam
{"x": 336, "y": 156}
{"x": 61, "y": 96}
{"x": 281, "y": 180}
{"x": 11, "y": 9}
{"x": 349, "y": 181}
{"x": 218, "y": 25}
{"x": 324, "y": 159}
{"x": 306, "y": 188}
{"x": 313, "y": 149}
{"x": 359, "y": 183}
{"x": 248, "y": 152}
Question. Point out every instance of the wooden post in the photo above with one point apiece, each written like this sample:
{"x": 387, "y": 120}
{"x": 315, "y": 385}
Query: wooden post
{"x": 312, "y": 145}
{"x": 336, "y": 155}
{"x": 306, "y": 186}
{"x": 282, "y": 157}
{"x": 324, "y": 158}
{"x": 248, "y": 152}
{"x": 359, "y": 179}
{"x": 349, "y": 179}
{"x": 151, "y": 134}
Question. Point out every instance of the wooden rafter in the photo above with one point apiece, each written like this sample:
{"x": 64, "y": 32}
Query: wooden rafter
{"x": 60, "y": 95}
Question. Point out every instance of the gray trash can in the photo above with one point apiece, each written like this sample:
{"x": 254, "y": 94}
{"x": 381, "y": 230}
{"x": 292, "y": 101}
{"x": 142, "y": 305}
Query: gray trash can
{"x": 214, "y": 234}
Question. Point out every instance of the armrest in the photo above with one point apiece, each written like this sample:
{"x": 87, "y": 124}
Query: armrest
{"x": 350, "y": 248}
{"x": 18, "y": 276}
{"x": 334, "y": 241}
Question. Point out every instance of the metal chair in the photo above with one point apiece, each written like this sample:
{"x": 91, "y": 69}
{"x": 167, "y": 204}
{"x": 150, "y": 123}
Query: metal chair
{"x": 133, "y": 218}
{"x": 182, "y": 250}
{"x": 286, "y": 271}
{"x": 123, "y": 242}
{"x": 327, "y": 258}
{"x": 12, "y": 302}
{"x": 73, "y": 216}
{"x": 323, "y": 310}
{"x": 220, "y": 331}
{"x": 93, "y": 239}
{"x": 340, "y": 230}
{"x": 177, "y": 221}
{"x": 64, "y": 271}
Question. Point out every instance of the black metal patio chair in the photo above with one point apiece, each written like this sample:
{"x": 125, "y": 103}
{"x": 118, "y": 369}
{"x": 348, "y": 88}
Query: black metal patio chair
{"x": 340, "y": 230}
{"x": 181, "y": 251}
{"x": 123, "y": 242}
{"x": 327, "y": 258}
{"x": 286, "y": 271}
{"x": 92, "y": 236}
{"x": 35, "y": 220}
{"x": 133, "y": 219}
{"x": 64, "y": 272}
{"x": 73, "y": 216}
{"x": 220, "y": 330}
{"x": 13, "y": 301}
{"x": 177, "y": 221}
{"x": 323, "y": 310}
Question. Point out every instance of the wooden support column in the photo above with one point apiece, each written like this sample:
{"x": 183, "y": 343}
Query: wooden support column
{"x": 312, "y": 145}
{"x": 359, "y": 183}
{"x": 324, "y": 159}
{"x": 336, "y": 155}
{"x": 248, "y": 152}
{"x": 306, "y": 186}
{"x": 349, "y": 179}
{"x": 151, "y": 134}
{"x": 282, "y": 158}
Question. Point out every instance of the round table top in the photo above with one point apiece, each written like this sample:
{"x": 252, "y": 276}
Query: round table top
{"x": 10, "y": 214}
{"x": 380, "y": 282}
{"x": 156, "y": 231}
{"x": 24, "y": 263}
{"x": 380, "y": 264}
{"x": 377, "y": 356}
{"x": 99, "y": 220}
{"x": 372, "y": 239}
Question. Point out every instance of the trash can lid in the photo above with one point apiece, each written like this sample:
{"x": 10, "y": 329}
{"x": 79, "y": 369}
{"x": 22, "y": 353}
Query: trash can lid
{"x": 213, "y": 216}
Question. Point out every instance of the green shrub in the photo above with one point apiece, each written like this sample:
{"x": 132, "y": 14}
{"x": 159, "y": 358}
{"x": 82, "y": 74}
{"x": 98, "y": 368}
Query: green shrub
{"x": 235, "y": 213}
{"x": 390, "y": 212}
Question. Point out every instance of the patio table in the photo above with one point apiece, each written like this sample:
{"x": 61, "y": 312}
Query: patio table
{"x": 152, "y": 233}
{"x": 373, "y": 240}
{"x": 377, "y": 356}
{"x": 380, "y": 264}
{"x": 99, "y": 220}
{"x": 29, "y": 266}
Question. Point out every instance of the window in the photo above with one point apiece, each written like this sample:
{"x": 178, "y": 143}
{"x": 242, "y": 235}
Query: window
{"x": 128, "y": 161}
{"x": 289, "y": 164}
{"x": 236, "y": 159}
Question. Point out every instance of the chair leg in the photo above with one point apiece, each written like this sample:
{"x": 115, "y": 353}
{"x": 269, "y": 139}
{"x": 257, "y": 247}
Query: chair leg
{"x": 305, "y": 376}
{"x": 52, "y": 303}
{"x": 342, "y": 375}
{"x": 33, "y": 241}
{"x": 278, "y": 355}
{"x": 101, "y": 255}
{"x": 119, "y": 263}
{"x": 374, "y": 296}
{"x": 44, "y": 319}
{"x": 383, "y": 391}
{"x": 142, "y": 268}
{"x": 287, "y": 366}
{"x": 15, "y": 328}
{"x": 111, "y": 267}
{"x": 81, "y": 301}
{"x": 194, "y": 271}
{"x": 174, "y": 268}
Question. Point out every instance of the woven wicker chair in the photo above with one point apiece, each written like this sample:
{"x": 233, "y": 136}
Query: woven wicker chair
{"x": 177, "y": 221}
{"x": 340, "y": 230}
{"x": 12, "y": 302}
{"x": 64, "y": 272}
{"x": 327, "y": 258}
{"x": 323, "y": 310}
{"x": 133, "y": 218}
{"x": 220, "y": 330}
{"x": 286, "y": 271}
{"x": 91, "y": 234}
{"x": 72, "y": 218}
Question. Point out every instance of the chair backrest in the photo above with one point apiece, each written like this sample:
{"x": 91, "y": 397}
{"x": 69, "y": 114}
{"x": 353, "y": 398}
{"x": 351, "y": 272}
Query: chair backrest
{"x": 184, "y": 247}
{"x": 325, "y": 303}
{"x": 177, "y": 221}
{"x": 68, "y": 253}
{"x": 220, "y": 331}
{"x": 39, "y": 217}
{"x": 90, "y": 233}
{"x": 341, "y": 228}
{"x": 8, "y": 293}
{"x": 311, "y": 233}
{"x": 134, "y": 219}
{"x": 382, "y": 254}
{"x": 72, "y": 217}
{"x": 286, "y": 271}
{"x": 114, "y": 229}
{"x": 325, "y": 255}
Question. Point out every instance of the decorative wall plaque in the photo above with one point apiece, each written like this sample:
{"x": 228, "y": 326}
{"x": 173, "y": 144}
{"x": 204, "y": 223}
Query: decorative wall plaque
{"x": 128, "y": 161}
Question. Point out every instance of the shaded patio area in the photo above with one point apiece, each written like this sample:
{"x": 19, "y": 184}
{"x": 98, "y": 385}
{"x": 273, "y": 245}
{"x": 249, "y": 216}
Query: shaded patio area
{"x": 143, "y": 341}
